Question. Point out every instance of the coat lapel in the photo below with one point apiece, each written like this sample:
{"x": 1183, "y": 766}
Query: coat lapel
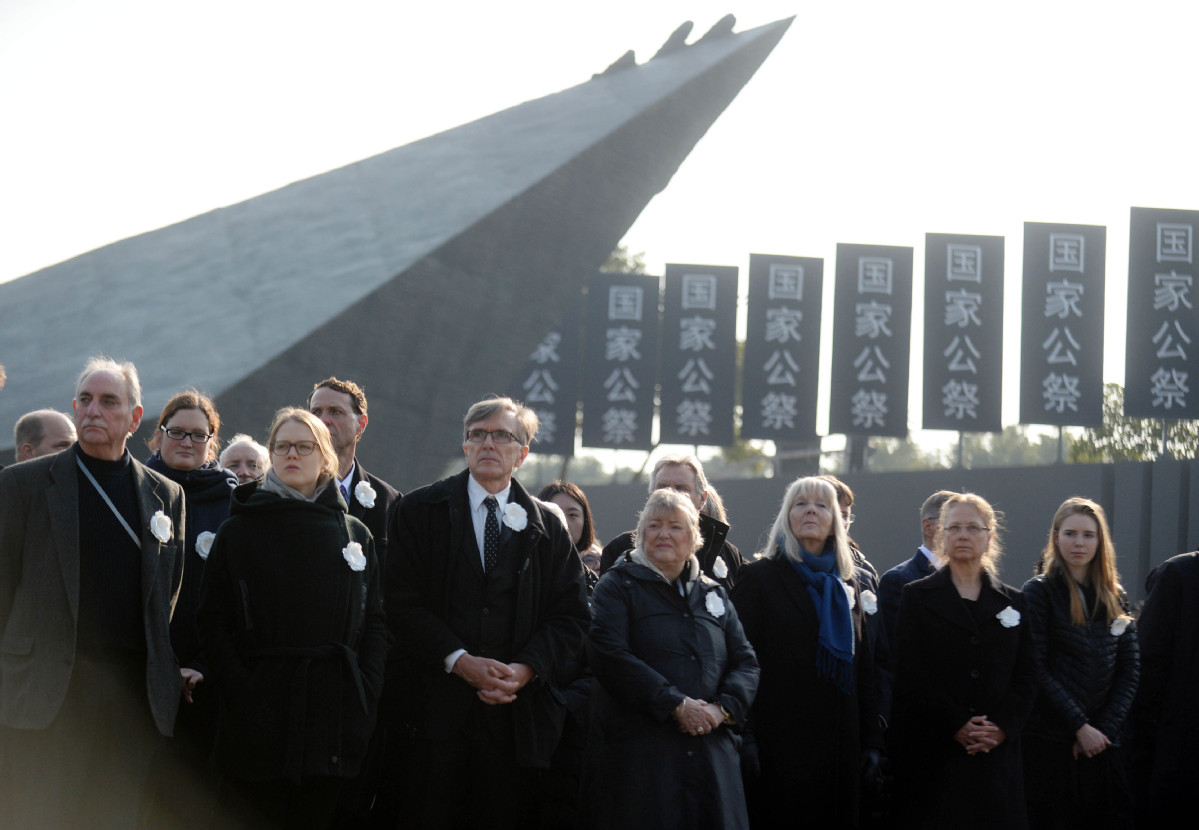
{"x": 149, "y": 502}
{"x": 356, "y": 509}
{"x": 945, "y": 602}
{"x": 62, "y": 502}
{"x": 462, "y": 530}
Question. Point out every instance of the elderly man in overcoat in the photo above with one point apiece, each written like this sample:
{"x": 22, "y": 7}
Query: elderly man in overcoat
{"x": 90, "y": 565}
{"x": 486, "y": 601}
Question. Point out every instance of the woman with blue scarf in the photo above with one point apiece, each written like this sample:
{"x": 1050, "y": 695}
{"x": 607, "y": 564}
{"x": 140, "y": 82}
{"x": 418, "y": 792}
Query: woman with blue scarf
{"x": 815, "y": 721}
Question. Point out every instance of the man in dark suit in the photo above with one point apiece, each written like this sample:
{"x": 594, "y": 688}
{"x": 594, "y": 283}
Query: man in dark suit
{"x": 922, "y": 564}
{"x": 91, "y": 560}
{"x": 42, "y": 432}
{"x": 341, "y": 406}
{"x": 485, "y": 598}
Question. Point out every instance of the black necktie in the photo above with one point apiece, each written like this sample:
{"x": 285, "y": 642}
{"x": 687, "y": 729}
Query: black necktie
{"x": 491, "y": 536}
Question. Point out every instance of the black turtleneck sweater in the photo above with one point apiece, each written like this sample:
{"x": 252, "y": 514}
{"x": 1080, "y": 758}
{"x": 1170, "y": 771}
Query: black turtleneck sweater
{"x": 110, "y": 573}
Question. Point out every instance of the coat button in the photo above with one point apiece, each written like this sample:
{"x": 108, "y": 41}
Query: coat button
{"x": 974, "y": 641}
{"x": 334, "y": 759}
{"x": 689, "y": 753}
{"x": 974, "y": 673}
{"x": 486, "y": 611}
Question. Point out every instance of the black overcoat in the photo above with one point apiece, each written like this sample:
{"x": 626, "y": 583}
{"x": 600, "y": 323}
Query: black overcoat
{"x": 295, "y": 637}
{"x": 809, "y": 734}
{"x": 1165, "y": 718}
{"x": 650, "y": 648}
{"x": 426, "y": 573}
{"x": 948, "y": 668}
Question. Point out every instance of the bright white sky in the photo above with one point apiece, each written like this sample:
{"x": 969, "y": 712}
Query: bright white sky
{"x": 871, "y": 122}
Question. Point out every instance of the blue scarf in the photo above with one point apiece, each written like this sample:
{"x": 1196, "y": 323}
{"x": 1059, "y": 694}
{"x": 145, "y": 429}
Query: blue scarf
{"x": 834, "y": 648}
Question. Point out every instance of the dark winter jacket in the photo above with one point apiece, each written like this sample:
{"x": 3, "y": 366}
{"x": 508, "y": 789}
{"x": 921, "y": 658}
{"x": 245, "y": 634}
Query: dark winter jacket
{"x": 1086, "y": 673}
{"x": 206, "y": 491}
{"x": 649, "y": 649}
{"x": 716, "y": 545}
{"x": 295, "y": 637}
{"x": 955, "y": 660}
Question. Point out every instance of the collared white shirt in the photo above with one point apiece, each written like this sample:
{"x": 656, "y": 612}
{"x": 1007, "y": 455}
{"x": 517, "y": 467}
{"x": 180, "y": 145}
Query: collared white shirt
{"x": 476, "y": 495}
{"x": 344, "y": 484}
{"x": 932, "y": 558}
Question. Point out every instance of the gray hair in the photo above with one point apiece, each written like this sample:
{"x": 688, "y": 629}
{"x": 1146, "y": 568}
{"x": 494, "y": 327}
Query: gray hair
{"x": 688, "y": 461}
{"x": 665, "y": 502}
{"x": 241, "y": 438}
{"x": 931, "y": 509}
{"x": 780, "y": 532}
{"x": 483, "y": 410}
{"x": 101, "y": 363}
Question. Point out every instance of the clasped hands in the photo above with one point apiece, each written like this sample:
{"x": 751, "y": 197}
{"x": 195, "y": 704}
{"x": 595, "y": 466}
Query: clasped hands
{"x": 980, "y": 735}
{"x": 698, "y": 717}
{"x": 494, "y": 681}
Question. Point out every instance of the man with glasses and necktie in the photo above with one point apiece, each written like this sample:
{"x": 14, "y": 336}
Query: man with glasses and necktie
{"x": 91, "y": 560}
{"x": 485, "y": 599}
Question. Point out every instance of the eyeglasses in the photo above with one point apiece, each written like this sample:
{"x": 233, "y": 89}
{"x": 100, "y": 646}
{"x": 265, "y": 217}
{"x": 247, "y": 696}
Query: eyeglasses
{"x": 498, "y": 436}
{"x": 973, "y": 530}
{"x": 849, "y": 517}
{"x": 177, "y": 434}
{"x": 301, "y": 447}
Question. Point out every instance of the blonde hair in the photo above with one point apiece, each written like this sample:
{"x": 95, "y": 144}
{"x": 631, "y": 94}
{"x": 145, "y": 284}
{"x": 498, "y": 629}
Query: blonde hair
{"x": 818, "y": 488}
{"x": 1101, "y": 570}
{"x": 991, "y": 518}
{"x": 320, "y": 433}
{"x": 663, "y": 503}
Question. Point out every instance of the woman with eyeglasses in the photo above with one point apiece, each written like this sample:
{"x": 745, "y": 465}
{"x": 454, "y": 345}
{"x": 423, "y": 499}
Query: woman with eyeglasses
{"x": 185, "y": 445}
{"x": 291, "y": 620}
{"x": 1088, "y": 665}
{"x": 964, "y": 682}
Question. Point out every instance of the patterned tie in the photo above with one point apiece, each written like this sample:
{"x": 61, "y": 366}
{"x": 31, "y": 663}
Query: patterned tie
{"x": 491, "y": 536}
{"x": 344, "y": 493}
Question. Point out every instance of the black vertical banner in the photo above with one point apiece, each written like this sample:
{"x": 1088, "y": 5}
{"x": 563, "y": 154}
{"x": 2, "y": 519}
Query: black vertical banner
{"x": 782, "y": 348}
{"x": 872, "y": 332}
{"x": 549, "y": 384}
{"x": 1061, "y": 324}
{"x": 963, "y": 332}
{"x": 1162, "y": 352}
{"x": 621, "y": 356}
{"x": 699, "y": 355}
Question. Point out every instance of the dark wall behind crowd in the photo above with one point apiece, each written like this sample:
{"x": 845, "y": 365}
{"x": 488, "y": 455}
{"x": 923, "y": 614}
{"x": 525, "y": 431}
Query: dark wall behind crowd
{"x": 1148, "y": 504}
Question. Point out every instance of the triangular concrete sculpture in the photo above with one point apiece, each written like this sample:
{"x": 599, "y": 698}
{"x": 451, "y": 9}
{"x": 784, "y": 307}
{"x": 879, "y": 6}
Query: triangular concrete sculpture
{"x": 427, "y": 273}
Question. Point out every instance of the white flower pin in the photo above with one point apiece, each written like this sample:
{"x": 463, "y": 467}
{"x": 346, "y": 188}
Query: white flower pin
{"x": 869, "y": 602}
{"x": 515, "y": 516}
{"x": 849, "y": 595}
{"x": 1009, "y": 617}
{"x": 160, "y": 526}
{"x": 714, "y": 604}
{"x": 1119, "y": 624}
{"x": 353, "y": 554}
{"x": 204, "y": 543}
{"x": 719, "y": 569}
{"x": 365, "y": 494}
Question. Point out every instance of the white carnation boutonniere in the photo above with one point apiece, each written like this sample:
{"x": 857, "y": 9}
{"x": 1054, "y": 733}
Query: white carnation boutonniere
{"x": 365, "y": 494}
{"x": 714, "y": 604}
{"x": 204, "y": 543}
{"x": 849, "y": 595}
{"x": 515, "y": 516}
{"x": 160, "y": 526}
{"x": 1009, "y": 617}
{"x": 869, "y": 602}
{"x": 354, "y": 556}
{"x": 719, "y": 568}
{"x": 1119, "y": 625}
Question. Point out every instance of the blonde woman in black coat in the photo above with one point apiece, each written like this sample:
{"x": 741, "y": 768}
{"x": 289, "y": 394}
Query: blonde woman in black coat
{"x": 964, "y": 682}
{"x": 1088, "y": 664}
{"x": 291, "y": 621}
